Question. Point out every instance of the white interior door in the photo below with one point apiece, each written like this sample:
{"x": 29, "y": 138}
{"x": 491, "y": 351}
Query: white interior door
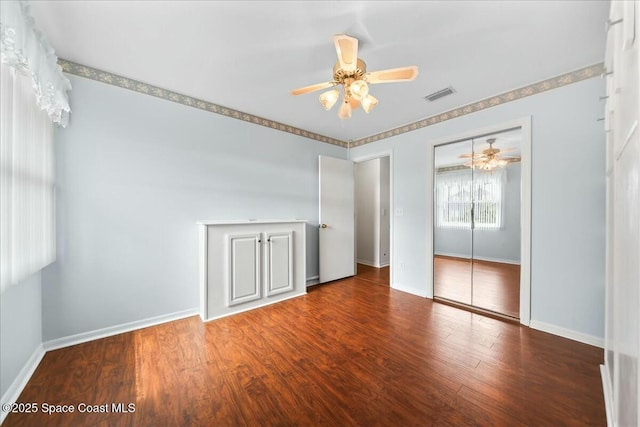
{"x": 337, "y": 223}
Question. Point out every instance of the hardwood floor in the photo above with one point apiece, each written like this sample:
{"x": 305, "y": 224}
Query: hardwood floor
{"x": 379, "y": 276}
{"x": 496, "y": 286}
{"x": 347, "y": 353}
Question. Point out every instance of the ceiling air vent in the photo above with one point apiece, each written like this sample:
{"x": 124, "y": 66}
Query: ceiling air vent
{"x": 439, "y": 94}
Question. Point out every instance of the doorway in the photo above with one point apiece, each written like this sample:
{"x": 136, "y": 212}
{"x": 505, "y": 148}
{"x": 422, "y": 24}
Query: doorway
{"x": 479, "y": 227}
{"x": 373, "y": 219}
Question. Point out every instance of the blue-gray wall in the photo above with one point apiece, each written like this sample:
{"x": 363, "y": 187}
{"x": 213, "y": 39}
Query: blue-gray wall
{"x": 568, "y": 201}
{"x": 20, "y": 328}
{"x": 134, "y": 174}
{"x": 500, "y": 245}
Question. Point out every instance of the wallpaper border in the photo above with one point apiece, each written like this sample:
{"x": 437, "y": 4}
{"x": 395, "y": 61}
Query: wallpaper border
{"x": 141, "y": 87}
{"x": 512, "y": 95}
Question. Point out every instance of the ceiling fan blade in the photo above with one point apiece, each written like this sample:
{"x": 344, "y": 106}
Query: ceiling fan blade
{"x": 347, "y": 50}
{"x": 473, "y": 156}
{"x": 504, "y": 150}
{"x": 312, "y": 88}
{"x": 403, "y": 74}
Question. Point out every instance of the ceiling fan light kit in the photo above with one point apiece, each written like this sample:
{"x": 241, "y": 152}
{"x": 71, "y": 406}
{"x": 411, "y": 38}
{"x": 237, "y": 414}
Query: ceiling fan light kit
{"x": 359, "y": 89}
{"x": 350, "y": 72}
{"x": 368, "y": 103}
{"x": 329, "y": 99}
{"x": 489, "y": 159}
{"x": 345, "y": 110}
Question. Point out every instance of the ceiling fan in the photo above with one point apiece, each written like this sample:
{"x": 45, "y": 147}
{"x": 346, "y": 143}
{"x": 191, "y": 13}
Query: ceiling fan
{"x": 489, "y": 158}
{"x": 350, "y": 72}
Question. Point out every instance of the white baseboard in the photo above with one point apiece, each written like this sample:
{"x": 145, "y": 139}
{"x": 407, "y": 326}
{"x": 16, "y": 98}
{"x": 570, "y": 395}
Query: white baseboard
{"x": 372, "y": 264}
{"x": 608, "y": 394}
{"x": 118, "y": 329}
{"x": 16, "y": 387}
{"x": 567, "y": 333}
{"x": 480, "y": 258}
{"x": 367, "y": 262}
{"x": 410, "y": 290}
{"x": 313, "y": 280}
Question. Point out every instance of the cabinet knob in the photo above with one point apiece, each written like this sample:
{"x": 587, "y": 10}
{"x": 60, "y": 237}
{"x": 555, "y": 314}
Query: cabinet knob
{"x": 323, "y": 226}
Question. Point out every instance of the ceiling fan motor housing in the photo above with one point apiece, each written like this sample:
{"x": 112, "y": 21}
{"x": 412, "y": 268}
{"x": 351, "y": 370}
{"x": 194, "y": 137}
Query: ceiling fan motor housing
{"x": 340, "y": 76}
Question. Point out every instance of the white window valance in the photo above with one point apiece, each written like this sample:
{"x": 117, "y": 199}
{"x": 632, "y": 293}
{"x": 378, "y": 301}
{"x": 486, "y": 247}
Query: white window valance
{"x": 24, "y": 48}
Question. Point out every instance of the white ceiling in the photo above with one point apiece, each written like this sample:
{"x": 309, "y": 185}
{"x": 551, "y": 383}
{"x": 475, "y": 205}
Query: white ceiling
{"x": 249, "y": 55}
{"x": 509, "y": 142}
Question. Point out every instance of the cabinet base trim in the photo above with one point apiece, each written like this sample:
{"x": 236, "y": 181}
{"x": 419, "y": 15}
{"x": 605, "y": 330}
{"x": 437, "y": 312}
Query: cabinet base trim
{"x": 220, "y": 316}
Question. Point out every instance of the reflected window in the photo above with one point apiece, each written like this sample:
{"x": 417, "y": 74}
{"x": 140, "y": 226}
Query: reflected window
{"x": 464, "y": 199}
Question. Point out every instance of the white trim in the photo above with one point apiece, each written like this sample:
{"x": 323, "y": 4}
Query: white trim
{"x": 247, "y": 221}
{"x": 525, "y": 223}
{"x": 313, "y": 280}
{"x": 203, "y": 241}
{"x": 567, "y": 333}
{"x": 608, "y": 394}
{"x": 118, "y": 329}
{"x": 18, "y": 384}
{"x": 410, "y": 290}
{"x": 379, "y": 155}
{"x": 371, "y": 263}
{"x": 525, "y": 206}
{"x": 479, "y": 258}
{"x": 253, "y": 308}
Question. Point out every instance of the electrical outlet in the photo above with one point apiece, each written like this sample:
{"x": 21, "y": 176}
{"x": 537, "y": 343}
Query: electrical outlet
{"x": 399, "y": 212}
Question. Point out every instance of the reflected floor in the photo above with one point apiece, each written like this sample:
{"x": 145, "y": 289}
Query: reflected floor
{"x": 496, "y": 286}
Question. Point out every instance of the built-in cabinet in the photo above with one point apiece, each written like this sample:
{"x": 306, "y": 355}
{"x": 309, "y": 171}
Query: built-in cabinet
{"x": 248, "y": 264}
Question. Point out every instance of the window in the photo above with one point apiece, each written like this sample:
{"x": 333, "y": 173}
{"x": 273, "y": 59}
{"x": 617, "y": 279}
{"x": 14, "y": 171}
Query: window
{"x": 465, "y": 198}
{"x": 27, "y": 184}
{"x": 33, "y": 96}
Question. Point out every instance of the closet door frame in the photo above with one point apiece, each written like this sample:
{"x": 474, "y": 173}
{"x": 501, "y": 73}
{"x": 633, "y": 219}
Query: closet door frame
{"x": 525, "y": 205}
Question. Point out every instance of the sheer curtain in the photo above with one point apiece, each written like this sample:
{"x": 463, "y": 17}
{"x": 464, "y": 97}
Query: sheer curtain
{"x": 33, "y": 96}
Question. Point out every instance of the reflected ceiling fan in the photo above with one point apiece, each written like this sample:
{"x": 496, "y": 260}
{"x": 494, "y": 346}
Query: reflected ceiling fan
{"x": 489, "y": 158}
{"x": 350, "y": 72}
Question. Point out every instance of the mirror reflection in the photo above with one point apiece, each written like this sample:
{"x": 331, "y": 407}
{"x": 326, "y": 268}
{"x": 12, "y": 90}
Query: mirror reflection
{"x": 477, "y": 222}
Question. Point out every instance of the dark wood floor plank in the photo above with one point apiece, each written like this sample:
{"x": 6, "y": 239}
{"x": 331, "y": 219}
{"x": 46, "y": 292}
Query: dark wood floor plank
{"x": 353, "y": 352}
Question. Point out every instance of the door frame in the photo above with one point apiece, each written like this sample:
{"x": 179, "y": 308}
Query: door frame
{"x": 373, "y": 156}
{"x": 525, "y": 205}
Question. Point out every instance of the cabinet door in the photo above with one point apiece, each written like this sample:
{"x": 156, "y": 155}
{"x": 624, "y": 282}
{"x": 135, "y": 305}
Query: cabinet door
{"x": 243, "y": 275}
{"x": 279, "y": 277}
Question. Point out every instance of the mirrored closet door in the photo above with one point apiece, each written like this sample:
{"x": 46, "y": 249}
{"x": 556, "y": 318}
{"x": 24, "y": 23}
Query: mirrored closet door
{"x": 476, "y": 232}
